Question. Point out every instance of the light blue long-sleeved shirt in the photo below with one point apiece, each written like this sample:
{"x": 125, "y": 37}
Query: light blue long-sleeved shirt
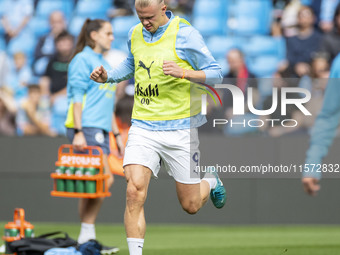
{"x": 190, "y": 47}
{"x": 328, "y": 9}
{"x": 326, "y": 123}
{"x": 98, "y": 99}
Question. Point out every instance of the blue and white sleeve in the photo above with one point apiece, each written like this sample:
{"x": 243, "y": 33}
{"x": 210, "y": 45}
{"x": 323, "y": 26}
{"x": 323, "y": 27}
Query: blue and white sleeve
{"x": 78, "y": 78}
{"x": 198, "y": 55}
{"x": 326, "y": 124}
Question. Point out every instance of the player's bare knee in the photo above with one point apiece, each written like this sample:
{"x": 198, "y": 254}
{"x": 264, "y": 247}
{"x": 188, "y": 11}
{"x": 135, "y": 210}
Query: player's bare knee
{"x": 191, "y": 206}
{"x": 135, "y": 193}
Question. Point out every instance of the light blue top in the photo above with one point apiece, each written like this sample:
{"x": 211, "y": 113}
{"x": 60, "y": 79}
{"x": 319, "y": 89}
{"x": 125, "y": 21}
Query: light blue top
{"x": 99, "y": 101}
{"x": 190, "y": 47}
{"x": 15, "y": 11}
{"x": 327, "y": 121}
{"x": 327, "y": 10}
{"x": 17, "y": 79}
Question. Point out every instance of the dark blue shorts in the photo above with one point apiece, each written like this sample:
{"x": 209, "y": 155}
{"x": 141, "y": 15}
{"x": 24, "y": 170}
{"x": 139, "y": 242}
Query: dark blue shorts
{"x": 94, "y": 137}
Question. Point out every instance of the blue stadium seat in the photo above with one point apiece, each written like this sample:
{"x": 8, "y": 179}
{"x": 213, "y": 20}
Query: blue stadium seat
{"x": 224, "y": 65}
{"x": 39, "y": 26}
{"x": 76, "y": 24}
{"x": 265, "y": 88}
{"x": 306, "y": 2}
{"x": 210, "y": 8}
{"x": 250, "y": 17}
{"x": 220, "y": 45}
{"x": 122, "y": 25}
{"x": 93, "y": 7}
{"x": 3, "y": 6}
{"x": 209, "y": 26}
{"x": 25, "y": 42}
{"x": 45, "y": 7}
{"x": 120, "y": 43}
{"x": 264, "y": 66}
{"x": 265, "y": 45}
{"x": 210, "y": 17}
{"x": 2, "y": 44}
{"x": 2, "y": 30}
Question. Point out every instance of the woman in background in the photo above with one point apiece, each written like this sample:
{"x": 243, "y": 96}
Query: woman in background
{"x": 90, "y": 115}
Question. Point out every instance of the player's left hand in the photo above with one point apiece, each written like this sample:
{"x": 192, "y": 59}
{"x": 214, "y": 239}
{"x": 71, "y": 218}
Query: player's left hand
{"x": 110, "y": 180}
{"x": 171, "y": 68}
{"x": 120, "y": 146}
{"x": 311, "y": 185}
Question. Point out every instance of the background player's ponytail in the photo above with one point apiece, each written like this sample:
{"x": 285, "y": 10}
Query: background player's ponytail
{"x": 84, "y": 37}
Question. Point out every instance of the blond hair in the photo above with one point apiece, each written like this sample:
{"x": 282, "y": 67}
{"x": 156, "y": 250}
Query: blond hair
{"x": 146, "y": 3}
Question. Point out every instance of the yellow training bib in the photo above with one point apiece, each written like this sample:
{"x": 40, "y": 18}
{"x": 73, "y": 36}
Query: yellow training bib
{"x": 159, "y": 96}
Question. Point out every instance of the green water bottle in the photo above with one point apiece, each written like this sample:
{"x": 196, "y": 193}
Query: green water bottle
{"x": 80, "y": 184}
{"x": 60, "y": 182}
{"x": 90, "y": 186}
{"x": 70, "y": 185}
{"x": 11, "y": 230}
{"x": 29, "y": 232}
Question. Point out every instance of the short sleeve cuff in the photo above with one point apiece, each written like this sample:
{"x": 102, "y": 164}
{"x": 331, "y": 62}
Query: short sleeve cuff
{"x": 78, "y": 98}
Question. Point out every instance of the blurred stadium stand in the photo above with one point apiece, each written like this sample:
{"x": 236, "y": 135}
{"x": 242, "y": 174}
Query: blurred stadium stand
{"x": 261, "y": 66}
{"x": 25, "y": 42}
{"x": 224, "y": 24}
{"x": 2, "y": 7}
{"x": 38, "y": 26}
{"x": 120, "y": 43}
{"x": 122, "y": 25}
{"x": 265, "y": 45}
{"x": 45, "y": 7}
{"x": 89, "y": 8}
{"x": 2, "y": 44}
{"x": 76, "y": 25}
{"x": 244, "y": 24}
{"x": 210, "y": 17}
{"x": 250, "y": 17}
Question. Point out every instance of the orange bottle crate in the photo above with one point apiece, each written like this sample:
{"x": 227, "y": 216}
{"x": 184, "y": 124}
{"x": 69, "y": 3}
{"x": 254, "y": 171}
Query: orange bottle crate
{"x": 92, "y": 158}
{"x": 19, "y": 226}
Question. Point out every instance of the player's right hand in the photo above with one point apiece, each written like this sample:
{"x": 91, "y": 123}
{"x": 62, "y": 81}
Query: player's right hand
{"x": 99, "y": 75}
{"x": 79, "y": 141}
{"x": 311, "y": 185}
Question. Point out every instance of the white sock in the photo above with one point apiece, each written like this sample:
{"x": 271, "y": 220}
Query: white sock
{"x": 212, "y": 181}
{"x": 135, "y": 246}
{"x": 87, "y": 232}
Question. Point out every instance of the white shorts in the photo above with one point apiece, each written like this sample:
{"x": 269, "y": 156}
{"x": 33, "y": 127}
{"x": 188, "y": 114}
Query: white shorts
{"x": 176, "y": 151}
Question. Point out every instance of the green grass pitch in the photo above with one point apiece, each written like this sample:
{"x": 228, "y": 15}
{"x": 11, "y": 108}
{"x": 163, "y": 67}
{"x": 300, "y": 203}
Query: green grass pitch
{"x": 213, "y": 240}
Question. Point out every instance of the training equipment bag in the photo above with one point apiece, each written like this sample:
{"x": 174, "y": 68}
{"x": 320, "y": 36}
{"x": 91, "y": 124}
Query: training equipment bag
{"x": 38, "y": 245}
